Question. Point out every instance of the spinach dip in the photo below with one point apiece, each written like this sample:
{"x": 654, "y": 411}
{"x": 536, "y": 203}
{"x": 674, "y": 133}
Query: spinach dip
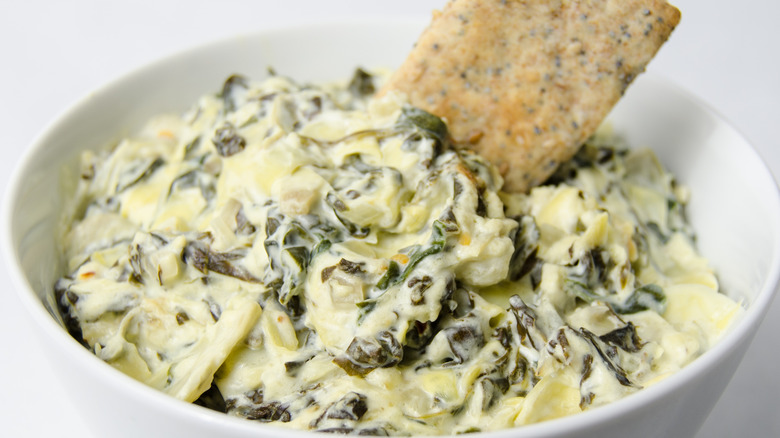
{"x": 322, "y": 259}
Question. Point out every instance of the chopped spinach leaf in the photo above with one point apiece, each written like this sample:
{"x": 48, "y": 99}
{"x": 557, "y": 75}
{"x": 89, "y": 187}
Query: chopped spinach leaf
{"x": 624, "y": 337}
{"x": 138, "y": 173}
{"x": 647, "y": 297}
{"x": 232, "y": 83}
{"x": 227, "y": 141}
{"x": 362, "y": 83}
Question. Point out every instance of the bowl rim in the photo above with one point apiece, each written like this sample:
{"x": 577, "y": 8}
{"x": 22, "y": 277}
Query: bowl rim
{"x": 742, "y": 332}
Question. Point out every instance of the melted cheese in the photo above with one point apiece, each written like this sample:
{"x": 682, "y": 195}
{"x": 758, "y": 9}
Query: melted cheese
{"x": 327, "y": 261}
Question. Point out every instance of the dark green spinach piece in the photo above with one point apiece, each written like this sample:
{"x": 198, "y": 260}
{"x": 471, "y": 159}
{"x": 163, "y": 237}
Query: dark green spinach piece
{"x": 195, "y": 178}
{"x": 647, "y": 297}
{"x": 526, "y": 242}
{"x": 232, "y": 83}
{"x": 624, "y": 337}
{"x": 200, "y": 255}
{"x": 138, "y": 173}
{"x": 599, "y": 346}
{"x": 291, "y": 245}
{"x": 439, "y": 234}
{"x": 413, "y": 118}
{"x": 366, "y": 354}
{"x": 339, "y": 207}
{"x": 580, "y": 290}
{"x": 362, "y": 83}
{"x": 227, "y": 141}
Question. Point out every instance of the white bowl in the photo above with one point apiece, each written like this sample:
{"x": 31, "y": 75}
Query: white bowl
{"x": 735, "y": 209}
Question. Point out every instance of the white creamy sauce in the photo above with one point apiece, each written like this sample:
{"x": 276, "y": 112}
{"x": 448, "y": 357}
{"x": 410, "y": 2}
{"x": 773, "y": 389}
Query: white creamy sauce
{"x": 325, "y": 260}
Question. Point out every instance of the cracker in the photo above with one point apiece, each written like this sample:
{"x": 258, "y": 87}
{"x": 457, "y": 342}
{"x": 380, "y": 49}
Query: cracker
{"x": 525, "y": 83}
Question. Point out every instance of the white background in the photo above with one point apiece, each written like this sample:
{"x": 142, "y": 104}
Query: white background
{"x": 52, "y": 53}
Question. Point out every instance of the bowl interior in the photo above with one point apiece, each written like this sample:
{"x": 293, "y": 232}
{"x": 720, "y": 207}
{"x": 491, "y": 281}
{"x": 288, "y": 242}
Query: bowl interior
{"x": 734, "y": 206}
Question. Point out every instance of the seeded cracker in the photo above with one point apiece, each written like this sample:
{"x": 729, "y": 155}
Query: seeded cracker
{"x": 525, "y": 83}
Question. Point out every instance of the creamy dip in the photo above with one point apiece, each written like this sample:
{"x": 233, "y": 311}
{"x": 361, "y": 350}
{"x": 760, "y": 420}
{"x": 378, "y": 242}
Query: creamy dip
{"x": 325, "y": 260}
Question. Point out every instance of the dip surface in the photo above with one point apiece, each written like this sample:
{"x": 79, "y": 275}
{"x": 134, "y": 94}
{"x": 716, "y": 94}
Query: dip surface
{"x": 314, "y": 257}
